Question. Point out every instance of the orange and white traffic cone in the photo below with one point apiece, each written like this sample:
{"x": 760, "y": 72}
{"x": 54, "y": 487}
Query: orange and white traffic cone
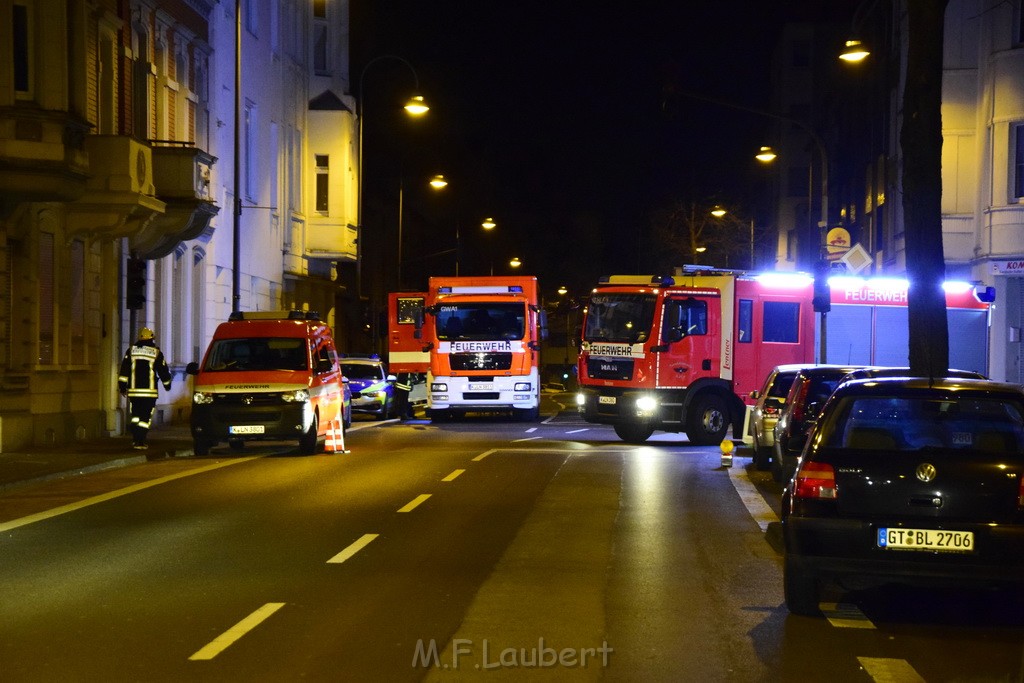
{"x": 335, "y": 441}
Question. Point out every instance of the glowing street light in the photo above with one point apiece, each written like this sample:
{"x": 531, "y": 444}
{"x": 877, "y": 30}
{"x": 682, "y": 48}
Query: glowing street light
{"x": 438, "y": 182}
{"x": 488, "y": 224}
{"x": 765, "y": 155}
{"x": 854, "y": 51}
{"x": 515, "y": 262}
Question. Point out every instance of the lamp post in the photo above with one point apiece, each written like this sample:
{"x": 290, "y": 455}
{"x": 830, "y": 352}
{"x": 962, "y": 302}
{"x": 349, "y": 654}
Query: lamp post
{"x": 236, "y": 226}
{"x": 416, "y": 106}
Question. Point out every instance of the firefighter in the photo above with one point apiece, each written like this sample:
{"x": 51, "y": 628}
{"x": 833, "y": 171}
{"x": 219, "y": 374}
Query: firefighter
{"x": 403, "y": 406}
{"x": 143, "y": 364}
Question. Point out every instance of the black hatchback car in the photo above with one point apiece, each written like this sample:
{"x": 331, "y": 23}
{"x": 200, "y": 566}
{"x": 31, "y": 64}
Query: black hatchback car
{"x": 908, "y": 480}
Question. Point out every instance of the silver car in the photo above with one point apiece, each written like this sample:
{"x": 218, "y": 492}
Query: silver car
{"x": 769, "y": 402}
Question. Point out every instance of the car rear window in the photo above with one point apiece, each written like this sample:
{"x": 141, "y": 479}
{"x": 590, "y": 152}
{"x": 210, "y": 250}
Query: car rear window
{"x": 911, "y": 423}
{"x": 780, "y": 387}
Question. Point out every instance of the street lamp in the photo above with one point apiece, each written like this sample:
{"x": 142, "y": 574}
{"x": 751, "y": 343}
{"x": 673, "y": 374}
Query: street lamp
{"x": 416, "y": 106}
{"x": 515, "y": 262}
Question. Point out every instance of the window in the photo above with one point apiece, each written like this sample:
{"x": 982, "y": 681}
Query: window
{"x": 684, "y": 318}
{"x": 1018, "y": 161}
{"x": 21, "y": 48}
{"x": 746, "y": 321}
{"x": 781, "y": 321}
{"x": 410, "y": 310}
{"x": 322, "y": 182}
{"x": 320, "y": 61}
{"x": 251, "y": 158}
{"x": 46, "y": 299}
{"x": 77, "y": 313}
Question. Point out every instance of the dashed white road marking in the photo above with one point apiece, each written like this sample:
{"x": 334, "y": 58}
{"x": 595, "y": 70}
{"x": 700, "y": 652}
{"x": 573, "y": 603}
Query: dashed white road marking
{"x": 226, "y": 639}
{"x": 529, "y": 438}
{"x": 531, "y": 430}
{"x": 453, "y": 475}
{"x": 845, "y": 615}
{"x": 762, "y": 513}
{"x": 71, "y": 507}
{"x": 577, "y": 431}
{"x": 484, "y": 455}
{"x": 890, "y": 670}
{"x": 352, "y": 549}
{"x": 414, "y": 503}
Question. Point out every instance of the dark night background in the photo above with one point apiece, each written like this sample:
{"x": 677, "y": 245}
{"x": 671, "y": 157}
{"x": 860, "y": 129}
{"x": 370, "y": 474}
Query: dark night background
{"x": 558, "y": 120}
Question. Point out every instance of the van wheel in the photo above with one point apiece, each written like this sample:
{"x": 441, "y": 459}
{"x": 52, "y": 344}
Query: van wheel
{"x": 201, "y": 446}
{"x": 309, "y": 441}
{"x": 236, "y": 444}
{"x": 762, "y": 457}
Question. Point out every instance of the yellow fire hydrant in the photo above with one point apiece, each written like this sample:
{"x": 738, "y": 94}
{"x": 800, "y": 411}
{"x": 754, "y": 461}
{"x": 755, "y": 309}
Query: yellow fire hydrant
{"x": 727, "y": 448}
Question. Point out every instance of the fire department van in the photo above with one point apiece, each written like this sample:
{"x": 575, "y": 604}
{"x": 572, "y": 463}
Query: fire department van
{"x": 270, "y": 375}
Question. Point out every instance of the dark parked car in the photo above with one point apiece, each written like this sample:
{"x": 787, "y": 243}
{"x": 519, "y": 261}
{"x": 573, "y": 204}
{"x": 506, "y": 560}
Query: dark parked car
{"x": 810, "y": 388}
{"x": 908, "y": 480}
{"x": 882, "y": 371}
{"x": 769, "y": 401}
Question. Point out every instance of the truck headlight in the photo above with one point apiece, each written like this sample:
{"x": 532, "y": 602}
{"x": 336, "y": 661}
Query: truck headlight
{"x": 438, "y": 386}
{"x": 581, "y": 400}
{"x": 646, "y": 404}
{"x": 521, "y": 386}
{"x": 297, "y": 396}
{"x": 202, "y": 398}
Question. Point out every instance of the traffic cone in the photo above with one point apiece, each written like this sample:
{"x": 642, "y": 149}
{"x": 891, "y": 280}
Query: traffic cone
{"x": 335, "y": 440}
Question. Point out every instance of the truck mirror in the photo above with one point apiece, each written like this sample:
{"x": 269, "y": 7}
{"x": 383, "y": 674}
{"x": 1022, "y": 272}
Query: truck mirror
{"x": 192, "y": 368}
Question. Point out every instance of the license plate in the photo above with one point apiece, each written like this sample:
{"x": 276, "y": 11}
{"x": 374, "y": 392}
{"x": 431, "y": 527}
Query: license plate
{"x": 246, "y": 429}
{"x": 934, "y": 540}
{"x": 481, "y": 387}
{"x": 606, "y": 399}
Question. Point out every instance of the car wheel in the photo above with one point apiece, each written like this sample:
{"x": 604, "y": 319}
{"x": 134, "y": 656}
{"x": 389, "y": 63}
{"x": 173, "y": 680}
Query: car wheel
{"x": 309, "y": 441}
{"x": 708, "y": 421}
{"x": 634, "y": 432}
{"x": 346, "y": 419}
{"x": 762, "y": 456}
{"x": 801, "y": 588}
{"x": 777, "y": 473}
{"x": 201, "y": 446}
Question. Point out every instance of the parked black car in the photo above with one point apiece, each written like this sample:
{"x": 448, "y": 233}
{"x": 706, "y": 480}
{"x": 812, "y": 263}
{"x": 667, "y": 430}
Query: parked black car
{"x": 810, "y": 388}
{"x": 908, "y": 480}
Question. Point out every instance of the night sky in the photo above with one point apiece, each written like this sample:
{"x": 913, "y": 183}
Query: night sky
{"x": 557, "y": 119}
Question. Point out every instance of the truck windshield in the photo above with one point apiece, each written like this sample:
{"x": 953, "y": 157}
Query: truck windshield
{"x": 624, "y": 318}
{"x": 481, "y": 321}
{"x": 257, "y": 353}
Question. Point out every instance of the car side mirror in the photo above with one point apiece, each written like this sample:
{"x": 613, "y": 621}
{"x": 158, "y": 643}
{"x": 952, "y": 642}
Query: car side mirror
{"x": 192, "y": 368}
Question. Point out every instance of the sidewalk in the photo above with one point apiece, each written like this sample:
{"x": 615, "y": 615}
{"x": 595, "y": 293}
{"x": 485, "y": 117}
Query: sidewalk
{"x": 41, "y": 463}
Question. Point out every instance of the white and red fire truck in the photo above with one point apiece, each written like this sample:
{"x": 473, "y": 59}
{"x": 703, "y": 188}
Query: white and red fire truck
{"x": 676, "y": 354}
{"x": 483, "y": 337}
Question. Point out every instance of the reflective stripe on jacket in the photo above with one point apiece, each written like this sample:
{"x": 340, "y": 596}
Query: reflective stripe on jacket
{"x": 143, "y": 364}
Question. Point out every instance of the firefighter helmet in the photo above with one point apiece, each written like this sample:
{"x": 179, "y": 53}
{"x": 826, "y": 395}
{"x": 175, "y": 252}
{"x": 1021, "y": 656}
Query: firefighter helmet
{"x": 145, "y": 333}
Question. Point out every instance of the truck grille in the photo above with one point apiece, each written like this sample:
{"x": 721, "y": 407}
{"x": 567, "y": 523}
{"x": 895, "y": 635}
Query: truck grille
{"x": 480, "y": 361}
{"x": 481, "y": 396}
{"x": 610, "y": 369}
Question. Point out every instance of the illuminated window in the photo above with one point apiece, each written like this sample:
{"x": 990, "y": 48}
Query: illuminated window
{"x": 322, "y": 182}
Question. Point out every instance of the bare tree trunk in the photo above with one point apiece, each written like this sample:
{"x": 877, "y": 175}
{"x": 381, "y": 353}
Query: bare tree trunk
{"x": 921, "y": 143}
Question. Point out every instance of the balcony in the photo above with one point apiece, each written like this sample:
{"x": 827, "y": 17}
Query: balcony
{"x": 119, "y": 197}
{"x": 181, "y": 176}
{"x": 42, "y": 155}
{"x": 333, "y": 241}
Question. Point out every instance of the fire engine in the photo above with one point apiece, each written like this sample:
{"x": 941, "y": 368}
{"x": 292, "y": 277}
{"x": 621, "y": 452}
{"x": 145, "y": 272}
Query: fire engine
{"x": 483, "y": 337}
{"x": 676, "y": 354}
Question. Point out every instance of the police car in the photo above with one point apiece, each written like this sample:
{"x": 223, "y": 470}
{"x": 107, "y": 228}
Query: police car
{"x": 373, "y": 390}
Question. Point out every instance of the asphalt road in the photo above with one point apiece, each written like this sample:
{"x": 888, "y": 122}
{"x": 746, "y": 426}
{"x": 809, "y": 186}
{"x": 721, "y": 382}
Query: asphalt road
{"x": 486, "y": 549}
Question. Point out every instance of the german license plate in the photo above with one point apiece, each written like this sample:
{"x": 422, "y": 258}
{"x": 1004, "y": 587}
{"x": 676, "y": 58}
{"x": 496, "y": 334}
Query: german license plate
{"x": 481, "y": 387}
{"x": 246, "y": 429}
{"x": 933, "y": 540}
{"x": 606, "y": 399}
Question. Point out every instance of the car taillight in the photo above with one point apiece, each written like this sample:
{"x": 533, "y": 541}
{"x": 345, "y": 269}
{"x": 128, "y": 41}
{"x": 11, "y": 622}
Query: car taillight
{"x": 800, "y": 401}
{"x": 815, "y": 480}
{"x": 771, "y": 410}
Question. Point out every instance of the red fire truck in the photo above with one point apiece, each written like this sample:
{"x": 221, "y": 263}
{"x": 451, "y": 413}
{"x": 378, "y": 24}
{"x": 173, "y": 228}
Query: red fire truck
{"x": 683, "y": 353}
{"x": 483, "y": 337}
{"x": 405, "y": 319}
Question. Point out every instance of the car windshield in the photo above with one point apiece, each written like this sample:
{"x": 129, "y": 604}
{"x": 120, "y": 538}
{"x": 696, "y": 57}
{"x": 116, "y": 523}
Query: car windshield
{"x": 900, "y": 423}
{"x": 361, "y": 371}
{"x": 481, "y": 321}
{"x": 623, "y": 318}
{"x": 257, "y": 353}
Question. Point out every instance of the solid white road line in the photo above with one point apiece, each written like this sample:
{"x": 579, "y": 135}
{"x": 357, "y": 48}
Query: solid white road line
{"x": 223, "y": 641}
{"x": 890, "y": 670}
{"x": 412, "y": 504}
{"x": 762, "y": 513}
{"x": 451, "y": 477}
{"x": 354, "y": 548}
{"x": 71, "y": 507}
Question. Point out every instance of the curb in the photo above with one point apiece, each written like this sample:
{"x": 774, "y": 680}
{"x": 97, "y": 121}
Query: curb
{"x": 98, "y": 467}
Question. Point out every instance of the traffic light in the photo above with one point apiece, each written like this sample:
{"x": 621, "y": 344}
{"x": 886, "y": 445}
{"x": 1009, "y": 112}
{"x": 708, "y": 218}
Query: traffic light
{"x": 822, "y": 292}
{"x": 135, "y": 289}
